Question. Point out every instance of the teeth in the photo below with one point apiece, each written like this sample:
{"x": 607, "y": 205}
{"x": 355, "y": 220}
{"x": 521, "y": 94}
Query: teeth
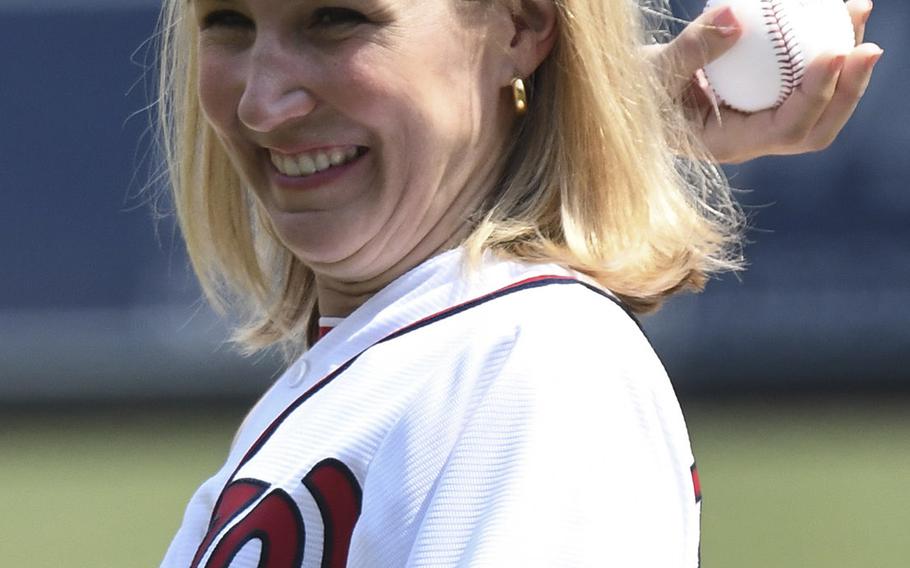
{"x": 290, "y": 166}
{"x": 308, "y": 164}
{"x": 307, "y": 167}
{"x": 322, "y": 162}
{"x": 337, "y": 157}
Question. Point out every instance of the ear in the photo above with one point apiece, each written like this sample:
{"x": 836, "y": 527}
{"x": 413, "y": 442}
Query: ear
{"x": 534, "y": 32}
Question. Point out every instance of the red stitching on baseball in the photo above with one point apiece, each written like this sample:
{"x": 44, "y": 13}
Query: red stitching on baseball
{"x": 790, "y": 58}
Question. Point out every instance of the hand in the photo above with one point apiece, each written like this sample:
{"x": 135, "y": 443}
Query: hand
{"x": 809, "y": 120}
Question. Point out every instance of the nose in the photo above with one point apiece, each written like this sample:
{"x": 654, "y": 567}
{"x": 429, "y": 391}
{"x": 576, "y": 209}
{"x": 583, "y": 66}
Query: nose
{"x": 274, "y": 92}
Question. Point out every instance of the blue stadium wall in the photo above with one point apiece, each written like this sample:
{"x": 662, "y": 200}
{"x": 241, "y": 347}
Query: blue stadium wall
{"x": 96, "y": 301}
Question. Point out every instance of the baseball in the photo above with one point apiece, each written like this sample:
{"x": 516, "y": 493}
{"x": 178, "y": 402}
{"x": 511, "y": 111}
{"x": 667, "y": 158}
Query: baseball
{"x": 780, "y": 38}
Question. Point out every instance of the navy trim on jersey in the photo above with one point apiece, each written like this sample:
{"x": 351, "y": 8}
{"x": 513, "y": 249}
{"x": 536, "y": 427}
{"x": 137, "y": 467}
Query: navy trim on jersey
{"x": 528, "y": 284}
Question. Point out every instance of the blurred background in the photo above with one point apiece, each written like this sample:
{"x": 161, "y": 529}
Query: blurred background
{"x": 118, "y": 395}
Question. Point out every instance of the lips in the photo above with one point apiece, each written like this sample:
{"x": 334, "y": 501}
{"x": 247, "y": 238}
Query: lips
{"x": 305, "y": 164}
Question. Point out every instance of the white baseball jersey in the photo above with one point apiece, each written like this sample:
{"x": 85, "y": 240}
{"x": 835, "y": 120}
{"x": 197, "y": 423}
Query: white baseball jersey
{"x": 508, "y": 415}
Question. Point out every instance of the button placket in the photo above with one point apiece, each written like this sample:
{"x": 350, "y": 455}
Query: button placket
{"x": 296, "y": 378}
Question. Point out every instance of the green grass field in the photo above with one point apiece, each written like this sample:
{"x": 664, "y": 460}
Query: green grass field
{"x": 786, "y": 485}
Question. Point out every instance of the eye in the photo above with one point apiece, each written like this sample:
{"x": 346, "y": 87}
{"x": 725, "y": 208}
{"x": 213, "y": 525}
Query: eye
{"x": 328, "y": 17}
{"x": 226, "y": 19}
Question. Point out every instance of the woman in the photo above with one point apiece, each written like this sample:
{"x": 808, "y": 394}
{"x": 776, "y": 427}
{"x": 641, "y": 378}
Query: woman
{"x": 444, "y": 212}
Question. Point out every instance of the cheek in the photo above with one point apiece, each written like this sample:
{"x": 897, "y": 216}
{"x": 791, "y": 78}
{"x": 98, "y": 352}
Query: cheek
{"x": 216, "y": 88}
{"x": 411, "y": 106}
{"x": 437, "y": 126}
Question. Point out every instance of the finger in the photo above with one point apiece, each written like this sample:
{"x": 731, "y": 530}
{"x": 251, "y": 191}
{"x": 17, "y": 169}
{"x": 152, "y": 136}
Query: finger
{"x": 851, "y": 87}
{"x": 860, "y": 10}
{"x": 705, "y": 39}
{"x": 743, "y": 137}
{"x": 793, "y": 121}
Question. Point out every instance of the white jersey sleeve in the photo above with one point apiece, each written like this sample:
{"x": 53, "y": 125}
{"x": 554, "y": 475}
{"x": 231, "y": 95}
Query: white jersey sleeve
{"x": 572, "y": 452}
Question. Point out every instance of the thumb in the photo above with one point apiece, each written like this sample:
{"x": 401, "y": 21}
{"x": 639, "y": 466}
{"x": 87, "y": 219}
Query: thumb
{"x": 702, "y": 41}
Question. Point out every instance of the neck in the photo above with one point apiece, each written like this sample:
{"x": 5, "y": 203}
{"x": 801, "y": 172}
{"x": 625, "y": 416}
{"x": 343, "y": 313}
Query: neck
{"x": 339, "y": 297}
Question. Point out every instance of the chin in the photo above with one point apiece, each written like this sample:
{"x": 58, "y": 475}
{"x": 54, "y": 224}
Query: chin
{"x": 318, "y": 241}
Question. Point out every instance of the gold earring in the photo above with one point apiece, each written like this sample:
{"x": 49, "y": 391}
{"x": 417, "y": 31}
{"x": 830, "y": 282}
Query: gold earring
{"x": 520, "y": 95}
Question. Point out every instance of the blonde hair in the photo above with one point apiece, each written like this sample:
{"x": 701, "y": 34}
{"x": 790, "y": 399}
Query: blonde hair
{"x": 605, "y": 175}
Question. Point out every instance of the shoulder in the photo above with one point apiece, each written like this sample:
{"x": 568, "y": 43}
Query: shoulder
{"x": 562, "y": 319}
{"x": 545, "y": 344}
{"x": 580, "y": 363}
{"x": 518, "y": 326}
{"x": 548, "y": 314}
{"x": 538, "y": 398}
{"x": 550, "y": 404}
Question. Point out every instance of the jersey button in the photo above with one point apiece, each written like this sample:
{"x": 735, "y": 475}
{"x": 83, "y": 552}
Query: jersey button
{"x": 297, "y": 376}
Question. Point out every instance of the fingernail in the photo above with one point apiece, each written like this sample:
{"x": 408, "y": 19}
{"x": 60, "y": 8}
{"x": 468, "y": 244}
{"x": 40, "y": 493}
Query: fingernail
{"x": 725, "y": 22}
{"x": 870, "y": 63}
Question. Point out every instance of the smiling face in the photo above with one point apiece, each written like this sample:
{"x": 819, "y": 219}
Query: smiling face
{"x": 368, "y": 129}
